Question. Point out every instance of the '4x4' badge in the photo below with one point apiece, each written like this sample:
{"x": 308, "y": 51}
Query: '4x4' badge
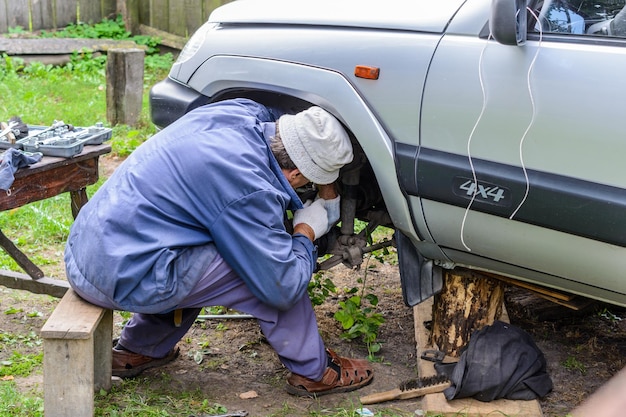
{"x": 481, "y": 191}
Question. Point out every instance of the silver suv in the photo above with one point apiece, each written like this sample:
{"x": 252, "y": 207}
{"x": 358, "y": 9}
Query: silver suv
{"x": 489, "y": 132}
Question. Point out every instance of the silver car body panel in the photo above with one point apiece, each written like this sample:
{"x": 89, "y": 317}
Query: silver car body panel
{"x": 448, "y": 94}
{"x": 423, "y": 16}
{"x": 527, "y": 107}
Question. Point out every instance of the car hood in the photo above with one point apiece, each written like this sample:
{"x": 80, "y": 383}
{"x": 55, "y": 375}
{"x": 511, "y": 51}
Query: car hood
{"x": 413, "y": 15}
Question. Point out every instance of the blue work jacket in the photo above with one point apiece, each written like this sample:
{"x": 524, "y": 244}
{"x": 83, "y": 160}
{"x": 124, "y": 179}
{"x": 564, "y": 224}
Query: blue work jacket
{"x": 207, "y": 183}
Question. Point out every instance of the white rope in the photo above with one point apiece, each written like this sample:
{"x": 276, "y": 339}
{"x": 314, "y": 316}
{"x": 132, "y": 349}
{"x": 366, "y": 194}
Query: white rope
{"x": 532, "y": 120}
{"x": 469, "y": 141}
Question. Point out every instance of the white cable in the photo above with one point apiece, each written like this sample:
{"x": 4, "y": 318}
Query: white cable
{"x": 532, "y": 120}
{"x": 469, "y": 141}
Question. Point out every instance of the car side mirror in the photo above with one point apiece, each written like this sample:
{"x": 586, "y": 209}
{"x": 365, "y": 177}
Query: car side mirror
{"x": 508, "y": 21}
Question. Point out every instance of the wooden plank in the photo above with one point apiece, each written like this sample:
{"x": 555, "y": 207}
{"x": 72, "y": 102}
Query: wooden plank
{"x": 4, "y": 16}
{"x": 568, "y": 300}
{"x": 541, "y": 308}
{"x": 166, "y": 38}
{"x": 19, "y": 281}
{"x": 176, "y": 20}
{"x": 65, "y": 13}
{"x": 129, "y": 10}
{"x": 102, "y": 352}
{"x": 37, "y": 15}
{"x": 108, "y": 8}
{"x": 59, "y": 46}
{"x": 89, "y": 11}
{"x": 159, "y": 19}
{"x": 17, "y": 14}
{"x": 194, "y": 16}
{"x": 467, "y": 407}
{"x": 533, "y": 287}
{"x": 144, "y": 11}
{"x": 73, "y": 318}
{"x": 68, "y": 383}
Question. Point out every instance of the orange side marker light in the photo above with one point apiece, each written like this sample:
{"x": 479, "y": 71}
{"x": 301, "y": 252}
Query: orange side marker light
{"x": 367, "y": 72}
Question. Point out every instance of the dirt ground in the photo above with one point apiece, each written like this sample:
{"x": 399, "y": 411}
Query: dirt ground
{"x": 229, "y": 359}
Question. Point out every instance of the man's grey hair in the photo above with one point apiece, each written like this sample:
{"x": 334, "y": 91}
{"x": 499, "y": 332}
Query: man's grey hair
{"x": 280, "y": 153}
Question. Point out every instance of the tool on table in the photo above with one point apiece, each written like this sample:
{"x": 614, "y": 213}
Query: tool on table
{"x": 410, "y": 389}
{"x": 13, "y": 130}
{"x": 7, "y": 130}
{"x": 57, "y": 124}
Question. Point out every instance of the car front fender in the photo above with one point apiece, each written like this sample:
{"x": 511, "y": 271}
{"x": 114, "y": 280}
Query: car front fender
{"x": 328, "y": 89}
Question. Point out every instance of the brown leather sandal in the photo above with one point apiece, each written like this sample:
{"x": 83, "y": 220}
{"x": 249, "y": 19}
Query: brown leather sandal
{"x": 127, "y": 364}
{"x": 342, "y": 375}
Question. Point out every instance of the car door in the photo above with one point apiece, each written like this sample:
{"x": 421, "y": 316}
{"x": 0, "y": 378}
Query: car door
{"x": 521, "y": 159}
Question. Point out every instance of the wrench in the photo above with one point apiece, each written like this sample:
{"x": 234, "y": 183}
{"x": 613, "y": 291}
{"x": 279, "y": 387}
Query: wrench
{"x": 9, "y": 129}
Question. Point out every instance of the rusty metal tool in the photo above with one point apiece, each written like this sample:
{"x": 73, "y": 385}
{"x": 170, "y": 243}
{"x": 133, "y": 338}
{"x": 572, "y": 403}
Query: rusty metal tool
{"x": 410, "y": 389}
{"x": 240, "y": 413}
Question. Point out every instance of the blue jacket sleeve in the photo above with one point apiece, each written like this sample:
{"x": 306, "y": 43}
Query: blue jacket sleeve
{"x": 251, "y": 237}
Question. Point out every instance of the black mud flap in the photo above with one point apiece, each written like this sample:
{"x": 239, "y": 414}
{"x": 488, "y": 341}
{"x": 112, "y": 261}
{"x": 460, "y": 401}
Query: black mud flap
{"x": 420, "y": 278}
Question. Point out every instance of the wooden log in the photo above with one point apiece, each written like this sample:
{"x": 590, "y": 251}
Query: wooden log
{"x": 468, "y": 301}
{"x": 437, "y": 404}
{"x": 124, "y": 73}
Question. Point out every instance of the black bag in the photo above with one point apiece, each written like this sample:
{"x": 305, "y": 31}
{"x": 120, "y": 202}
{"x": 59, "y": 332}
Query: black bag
{"x": 500, "y": 361}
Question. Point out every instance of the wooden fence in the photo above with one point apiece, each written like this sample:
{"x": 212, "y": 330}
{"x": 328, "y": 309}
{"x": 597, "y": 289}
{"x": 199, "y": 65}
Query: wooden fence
{"x": 52, "y": 14}
{"x": 173, "y": 20}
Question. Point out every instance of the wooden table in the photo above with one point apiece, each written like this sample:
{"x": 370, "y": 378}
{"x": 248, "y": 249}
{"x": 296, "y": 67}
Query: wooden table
{"x": 49, "y": 177}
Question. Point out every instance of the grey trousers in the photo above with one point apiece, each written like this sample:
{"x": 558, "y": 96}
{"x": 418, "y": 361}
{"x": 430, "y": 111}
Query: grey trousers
{"x": 293, "y": 333}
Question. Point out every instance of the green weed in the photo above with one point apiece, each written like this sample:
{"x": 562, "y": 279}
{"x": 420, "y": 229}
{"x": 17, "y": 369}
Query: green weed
{"x": 357, "y": 314}
{"x": 20, "y": 365}
{"x": 29, "y": 340}
{"x": 15, "y": 404}
{"x": 320, "y": 288}
{"x": 359, "y": 318}
{"x": 135, "y": 397}
{"x": 573, "y": 364}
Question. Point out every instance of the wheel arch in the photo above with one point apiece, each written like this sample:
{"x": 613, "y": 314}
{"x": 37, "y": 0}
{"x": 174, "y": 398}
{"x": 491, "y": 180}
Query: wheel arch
{"x": 298, "y": 85}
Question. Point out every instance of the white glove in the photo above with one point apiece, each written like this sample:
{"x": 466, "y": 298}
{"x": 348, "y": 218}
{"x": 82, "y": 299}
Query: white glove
{"x": 333, "y": 210}
{"x": 314, "y": 214}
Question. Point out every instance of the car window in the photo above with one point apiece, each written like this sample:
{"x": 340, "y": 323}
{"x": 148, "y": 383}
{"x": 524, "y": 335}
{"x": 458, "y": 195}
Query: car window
{"x": 580, "y": 17}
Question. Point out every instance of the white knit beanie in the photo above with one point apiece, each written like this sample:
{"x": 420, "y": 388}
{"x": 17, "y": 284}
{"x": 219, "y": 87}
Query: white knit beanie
{"x": 316, "y": 143}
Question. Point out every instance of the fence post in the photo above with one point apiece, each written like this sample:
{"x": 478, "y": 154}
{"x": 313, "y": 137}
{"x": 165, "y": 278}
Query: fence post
{"x": 129, "y": 9}
{"x": 124, "y": 94}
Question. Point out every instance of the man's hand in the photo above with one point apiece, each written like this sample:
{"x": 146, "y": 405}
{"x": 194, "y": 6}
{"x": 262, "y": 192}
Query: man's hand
{"x": 332, "y": 202}
{"x": 314, "y": 216}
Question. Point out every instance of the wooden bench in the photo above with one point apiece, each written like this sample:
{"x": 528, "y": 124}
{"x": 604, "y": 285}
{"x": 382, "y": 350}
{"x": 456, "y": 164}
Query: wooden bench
{"x": 77, "y": 356}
